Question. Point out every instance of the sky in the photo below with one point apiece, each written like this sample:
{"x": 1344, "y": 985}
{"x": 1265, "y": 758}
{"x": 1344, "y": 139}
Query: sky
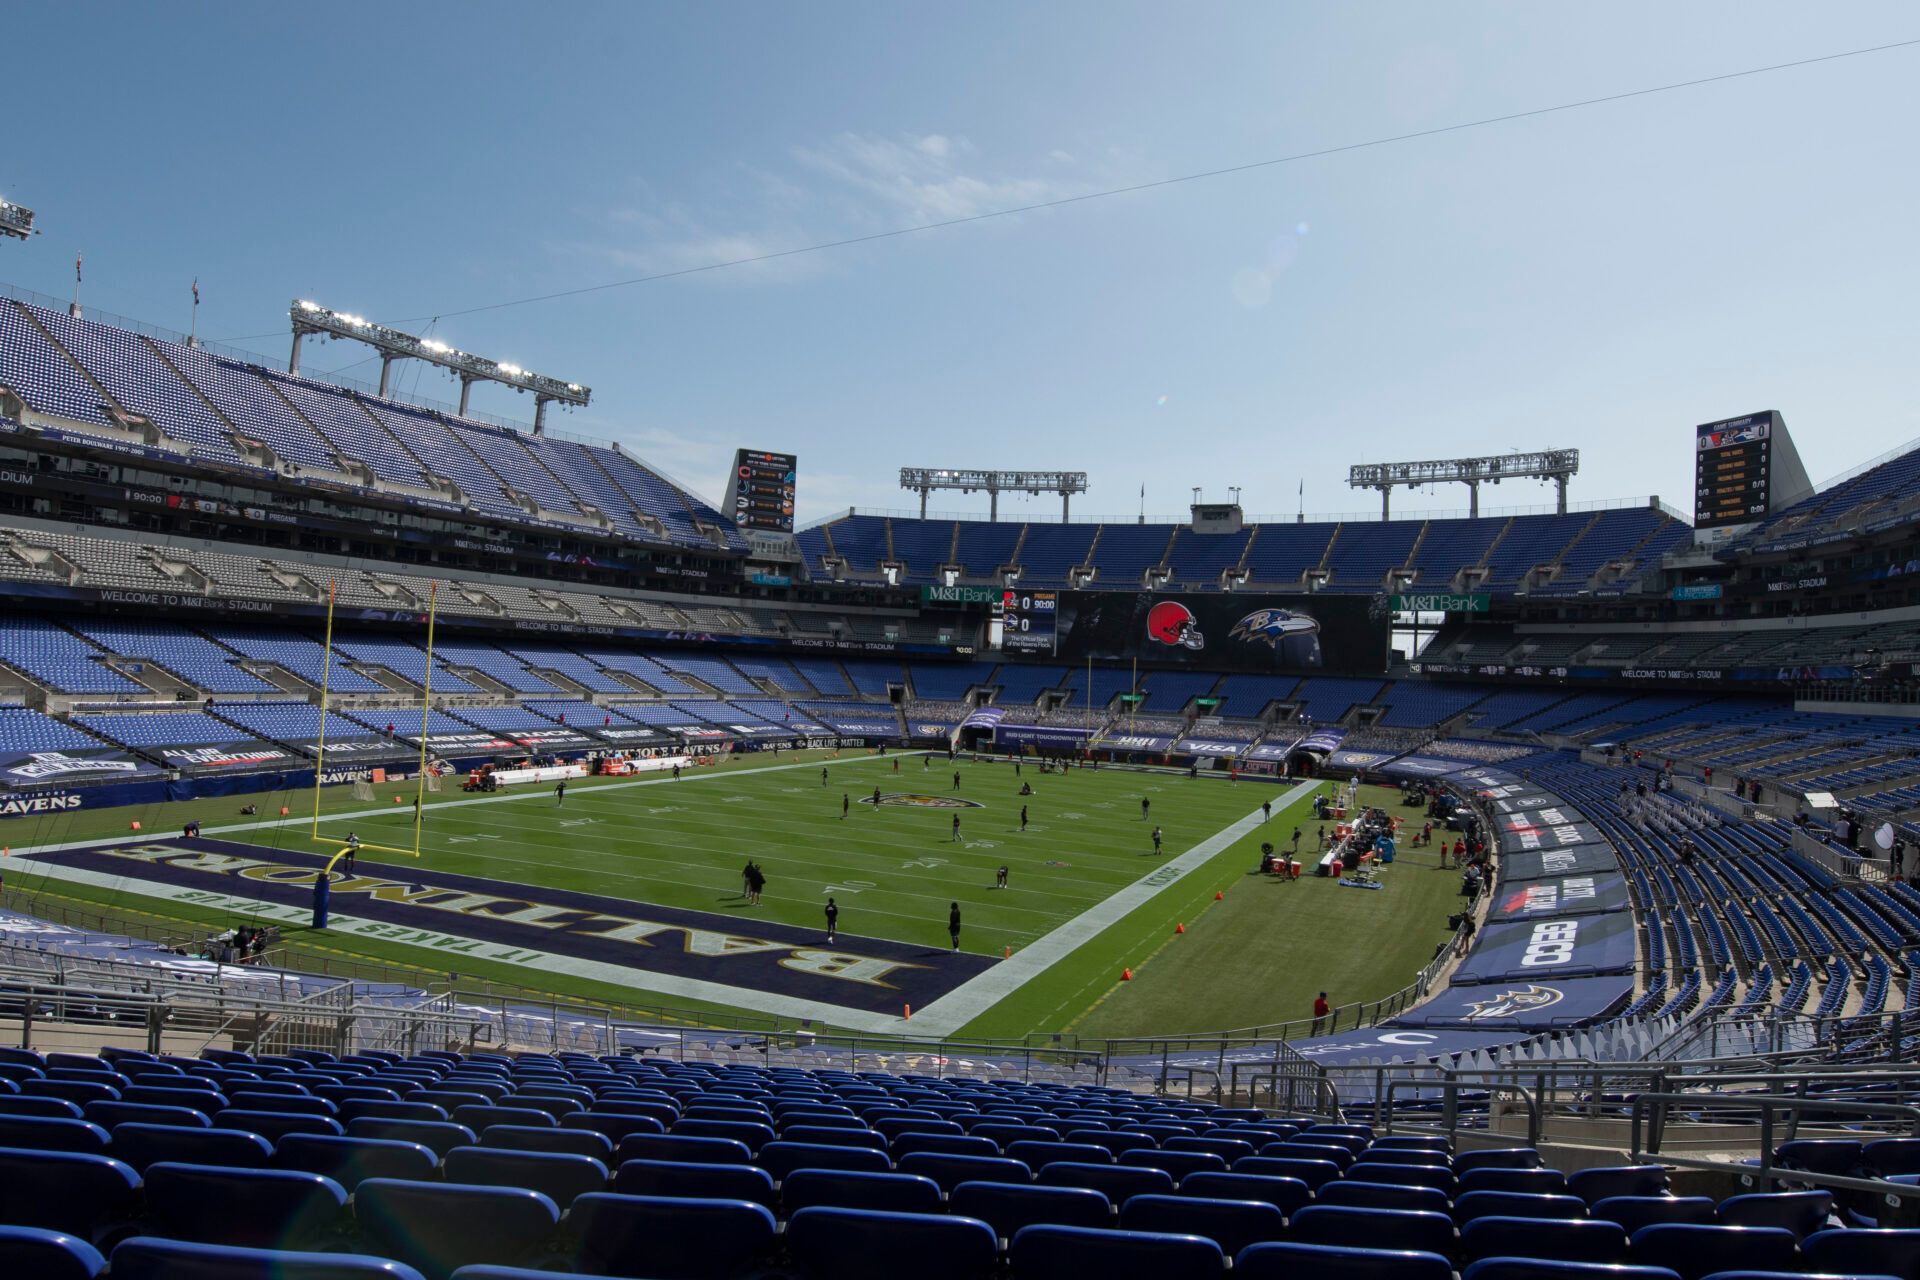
{"x": 1601, "y": 278}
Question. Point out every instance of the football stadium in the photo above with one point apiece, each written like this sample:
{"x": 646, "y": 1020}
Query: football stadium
{"x": 443, "y": 845}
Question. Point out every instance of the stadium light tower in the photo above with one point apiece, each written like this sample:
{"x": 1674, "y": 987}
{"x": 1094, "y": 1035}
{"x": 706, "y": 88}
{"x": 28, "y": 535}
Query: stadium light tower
{"x": 312, "y": 318}
{"x": 16, "y": 220}
{"x": 924, "y": 480}
{"x": 1557, "y": 465}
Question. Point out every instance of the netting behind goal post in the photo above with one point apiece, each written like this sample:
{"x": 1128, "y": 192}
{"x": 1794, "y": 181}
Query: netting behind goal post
{"x": 362, "y": 788}
{"x": 432, "y": 780}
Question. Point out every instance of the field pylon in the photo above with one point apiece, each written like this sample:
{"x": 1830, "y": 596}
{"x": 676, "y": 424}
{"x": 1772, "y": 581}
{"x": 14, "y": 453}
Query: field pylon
{"x": 1126, "y": 975}
{"x": 1218, "y": 895}
{"x": 1008, "y": 955}
{"x": 1180, "y": 928}
{"x": 909, "y": 1013}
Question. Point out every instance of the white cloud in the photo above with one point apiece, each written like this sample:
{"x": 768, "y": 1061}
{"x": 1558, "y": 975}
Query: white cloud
{"x": 925, "y": 178}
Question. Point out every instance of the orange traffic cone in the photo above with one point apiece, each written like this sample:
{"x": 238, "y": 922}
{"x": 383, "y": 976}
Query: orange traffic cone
{"x": 1218, "y": 896}
{"x": 1126, "y": 975}
{"x": 1008, "y": 955}
{"x": 909, "y": 1013}
{"x": 396, "y": 799}
{"x": 283, "y": 811}
{"x": 1180, "y": 928}
{"x": 134, "y": 825}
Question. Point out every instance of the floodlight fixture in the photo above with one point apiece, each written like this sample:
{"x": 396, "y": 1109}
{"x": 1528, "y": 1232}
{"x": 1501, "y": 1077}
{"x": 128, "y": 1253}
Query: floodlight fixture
{"x": 924, "y": 480}
{"x": 1556, "y": 465}
{"x": 392, "y": 344}
{"x": 16, "y": 220}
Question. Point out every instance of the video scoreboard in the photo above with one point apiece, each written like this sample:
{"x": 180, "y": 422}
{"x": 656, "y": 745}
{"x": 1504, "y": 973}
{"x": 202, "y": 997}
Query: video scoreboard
{"x": 1028, "y": 621}
{"x": 1733, "y": 471}
{"x": 760, "y": 491}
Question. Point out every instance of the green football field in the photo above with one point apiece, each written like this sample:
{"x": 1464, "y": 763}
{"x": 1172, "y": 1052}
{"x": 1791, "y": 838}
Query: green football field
{"x": 1254, "y": 955}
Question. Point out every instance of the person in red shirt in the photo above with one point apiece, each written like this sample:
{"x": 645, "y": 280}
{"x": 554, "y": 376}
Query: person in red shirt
{"x": 1320, "y": 1011}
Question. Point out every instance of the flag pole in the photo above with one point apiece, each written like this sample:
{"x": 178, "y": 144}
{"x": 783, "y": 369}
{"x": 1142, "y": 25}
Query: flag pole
{"x": 426, "y": 709}
{"x": 73, "y": 308}
{"x": 326, "y": 673}
{"x": 193, "y": 331}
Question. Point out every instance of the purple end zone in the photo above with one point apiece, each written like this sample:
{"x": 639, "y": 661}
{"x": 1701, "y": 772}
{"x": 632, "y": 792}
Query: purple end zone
{"x": 869, "y": 974}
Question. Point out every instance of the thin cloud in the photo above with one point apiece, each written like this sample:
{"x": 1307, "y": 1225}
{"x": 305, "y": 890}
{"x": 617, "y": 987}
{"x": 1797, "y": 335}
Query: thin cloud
{"x": 921, "y": 177}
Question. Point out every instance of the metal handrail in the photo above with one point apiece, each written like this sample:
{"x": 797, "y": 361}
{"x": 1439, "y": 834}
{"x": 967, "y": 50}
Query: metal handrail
{"x": 1650, "y": 1115}
{"x": 1451, "y": 1104}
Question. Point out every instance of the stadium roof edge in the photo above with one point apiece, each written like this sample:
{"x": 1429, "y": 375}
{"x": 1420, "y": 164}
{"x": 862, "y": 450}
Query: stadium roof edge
{"x": 1344, "y": 517}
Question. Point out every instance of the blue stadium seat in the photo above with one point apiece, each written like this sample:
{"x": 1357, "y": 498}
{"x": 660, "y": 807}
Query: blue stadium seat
{"x": 254, "y": 1208}
{"x": 1038, "y": 1154}
{"x": 1007, "y": 1207}
{"x": 781, "y": 1158}
{"x": 674, "y": 1146}
{"x": 275, "y": 1125}
{"x": 437, "y": 1137}
{"x": 292, "y": 1104}
{"x": 78, "y": 1192}
{"x": 1694, "y": 1251}
{"x": 1178, "y": 1163}
{"x": 26, "y": 1104}
{"x": 37, "y": 1254}
{"x": 478, "y": 1117}
{"x": 1412, "y": 1142}
{"x": 1116, "y": 1182}
{"x": 951, "y": 1171}
{"x": 674, "y": 1239}
{"x": 576, "y": 1142}
{"x": 1515, "y": 1204}
{"x": 351, "y": 1161}
{"x": 1288, "y": 1195}
{"x": 53, "y": 1133}
{"x": 440, "y": 1226}
{"x": 1051, "y": 1251}
{"x": 860, "y": 1244}
{"x": 849, "y": 1189}
{"x": 750, "y": 1135}
{"x": 561, "y": 1178}
{"x": 1292, "y": 1260}
{"x": 1406, "y": 1175}
{"x": 1396, "y": 1229}
{"x": 1541, "y": 1269}
{"x": 1819, "y": 1155}
{"x": 1635, "y": 1212}
{"x": 1801, "y": 1212}
{"x": 1383, "y": 1195}
{"x": 1497, "y": 1158}
{"x": 1539, "y": 1182}
{"x": 954, "y": 1144}
{"x": 1878, "y": 1251}
{"x": 1118, "y": 1143}
{"x": 143, "y": 1144}
{"x": 1595, "y": 1185}
{"x": 1406, "y": 1155}
{"x": 1551, "y": 1239}
{"x": 1890, "y": 1157}
{"x": 1300, "y": 1149}
{"x": 1315, "y": 1173}
{"x": 1231, "y": 1224}
{"x": 353, "y": 1108}
{"x": 107, "y": 1114}
{"x": 151, "y": 1258}
{"x": 833, "y": 1136}
{"x": 673, "y": 1178}
{"x": 611, "y": 1125}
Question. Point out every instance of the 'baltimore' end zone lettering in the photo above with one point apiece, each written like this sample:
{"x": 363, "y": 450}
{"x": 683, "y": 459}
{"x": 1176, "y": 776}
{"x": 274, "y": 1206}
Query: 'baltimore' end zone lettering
{"x": 843, "y": 966}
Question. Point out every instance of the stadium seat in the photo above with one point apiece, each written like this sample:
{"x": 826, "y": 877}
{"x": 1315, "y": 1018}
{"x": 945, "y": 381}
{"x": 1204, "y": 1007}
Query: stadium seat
{"x": 143, "y": 1144}
{"x": 667, "y": 1179}
{"x": 1383, "y": 1195}
{"x": 351, "y": 1161}
{"x": 1116, "y": 1182}
{"x": 151, "y": 1258}
{"x": 1878, "y": 1251}
{"x": 1288, "y": 1195}
{"x": 1046, "y": 1251}
{"x": 674, "y": 1146}
{"x": 781, "y": 1158}
{"x": 253, "y": 1208}
{"x": 1819, "y": 1155}
{"x": 612, "y": 1125}
{"x": 1394, "y": 1229}
{"x": 1315, "y": 1173}
{"x": 66, "y": 1191}
{"x": 1293, "y": 1260}
{"x": 1497, "y": 1158}
{"x": 849, "y": 1189}
{"x": 275, "y": 1125}
{"x": 1890, "y": 1157}
{"x": 478, "y": 1117}
{"x": 561, "y": 1178}
{"x": 951, "y": 1171}
{"x": 1516, "y": 1204}
{"x": 53, "y": 1133}
{"x": 110, "y": 1113}
{"x": 675, "y": 1239}
{"x": 1694, "y": 1251}
{"x": 440, "y": 1226}
{"x": 859, "y": 1244}
{"x": 1539, "y": 1182}
{"x": 751, "y": 1135}
{"x": 957, "y": 1144}
{"x": 1595, "y": 1185}
{"x": 15, "y": 1104}
{"x": 34, "y": 1253}
{"x": 1542, "y": 1269}
{"x": 1407, "y": 1175}
{"x": 1801, "y": 1212}
{"x": 1178, "y": 1163}
{"x": 1550, "y": 1239}
{"x": 437, "y": 1137}
{"x": 576, "y": 1142}
{"x": 1007, "y": 1207}
{"x": 1634, "y": 1212}
{"x": 1231, "y": 1224}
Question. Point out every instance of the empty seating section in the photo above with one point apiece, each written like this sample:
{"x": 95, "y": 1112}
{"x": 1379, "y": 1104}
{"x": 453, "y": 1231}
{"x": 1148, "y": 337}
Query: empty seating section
{"x": 430, "y": 440}
{"x": 23, "y": 730}
{"x": 831, "y": 1173}
{"x": 353, "y": 432}
{"x": 40, "y": 373}
{"x": 1325, "y": 699}
{"x": 1169, "y": 692}
{"x": 399, "y": 657}
{"x": 251, "y": 406}
{"x": 985, "y": 547}
{"x": 1124, "y": 552}
{"x": 1049, "y": 552}
{"x": 861, "y": 541}
{"x": 569, "y": 665}
{"x": 777, "y": 672}
{"x": 492, "y": 663}
{"x": 1888, "y": 483}
{"x": 140, "y": 381}
{"x": 1282, "y": 552}
{"x": 300, "y": 655}
{"x": 1449, "y": 546}
{"x": 1614, "y": 535}
{"x": 1531, "y": 541}
{"x": 59, "y": 659}
{"x": 1363, "y": 552}
{"x": 1021, "y": 686}
{"x": 657, "y": 498}
{"x": 1413, "y": 704}
{"x": 287, "y": 721}
{"x": 575, "y": 467}
{"x": 922, "y": 545}
{"x": 500, "y": 449}
{"x": 161, "y": 728}
{"x": 644, "y": 669}
{"x": 824, "y": 676}
{"x": 948, "y": 682}
{"x": 716, "y": 673}
{"x": 1198, "y": 559}
{"x": 1247, "y": 697}
{"x": 193, "y": 657}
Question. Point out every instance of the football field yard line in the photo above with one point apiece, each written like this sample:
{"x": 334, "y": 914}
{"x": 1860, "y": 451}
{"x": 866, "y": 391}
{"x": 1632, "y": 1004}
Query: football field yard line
{"x": 976, "y": 996}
